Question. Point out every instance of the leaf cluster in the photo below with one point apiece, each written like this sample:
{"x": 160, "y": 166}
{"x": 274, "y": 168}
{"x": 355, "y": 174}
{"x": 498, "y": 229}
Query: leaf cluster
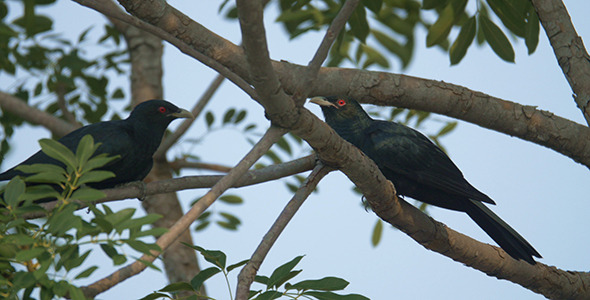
{"x": 48, "y": 255}
{"x": 275, "y": 286}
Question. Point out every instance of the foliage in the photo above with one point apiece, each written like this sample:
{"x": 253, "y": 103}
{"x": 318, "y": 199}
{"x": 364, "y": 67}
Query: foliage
{"x": 380, "y": 28}
{"x": 275, "y": 286}
{"x": 46, "y": 256}
{"x": 54, "y": 72}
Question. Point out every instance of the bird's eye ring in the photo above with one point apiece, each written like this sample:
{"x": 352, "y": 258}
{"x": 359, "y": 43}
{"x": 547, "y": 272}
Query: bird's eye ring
{"x": 162, "y": 109}
{"x": 341, "y": 102}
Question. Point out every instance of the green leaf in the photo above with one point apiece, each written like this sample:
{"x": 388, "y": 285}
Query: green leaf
{"x": 231, "y": 199}
{"x": 38, "y": 168}
{"x": 447, "y": 128}
{"x": 509, "y": 15}
{"x": 198, "y": 280}
{"x": 269, "y": 295}
{"x": 531, "y": 36}
{"x": 284, "y": 145}
{"x": 98, "y": 161}
{"x": 13, "y": 192}
{"x": 76, "y": 293}
{"x": 282, "y": 273}
{"x": 209, "y": 118}
{"x": 85, "y": 149}
{"x": 373, "y": 5}
{"x": 439, "y": 31}
{"x": 95, "y": 176}
{"x": 29, "y": 254}
{"x": 240, "y": 117}
{"x": 154, "y": 296}
{"x": 34, "y": 24}
{"x": 324, "y": 284}
{"x": 215, "y": 257}
{"x": 334, "y": 296}
{"x": 56, "y": 150}
{"x": 47, "y": 177}
{"x": 87, "y": 194}
{"x": 430, "y": 4}
{"x": 142, "y": 247}
{"x": 177, "y": 287}
{"x": 496, "y": 39}
{"x": 358, "y": 24}
{"x": 377, "y": 233}
{"x": 463, "y": 41}
{"x": 403, "y": 52}
{"x": 86, "y": 272}
{"x": 228, "y": 115}
{"x": 237, "y": 265}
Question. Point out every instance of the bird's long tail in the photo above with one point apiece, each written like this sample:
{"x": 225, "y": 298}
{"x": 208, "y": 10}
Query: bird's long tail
{"x": 506, "y": 237}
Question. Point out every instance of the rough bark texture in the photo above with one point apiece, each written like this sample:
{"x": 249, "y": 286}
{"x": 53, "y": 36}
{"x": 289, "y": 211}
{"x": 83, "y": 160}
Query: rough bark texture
{"x": 568, "y": 48}
{"x": 145, "y": 51}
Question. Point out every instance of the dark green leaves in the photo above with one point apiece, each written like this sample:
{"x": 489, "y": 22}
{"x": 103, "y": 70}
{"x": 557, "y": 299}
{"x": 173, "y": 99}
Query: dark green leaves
{"x": 463, "y": 41}
{"x": 497, "y": 39}
{"x": 439, "y": 31}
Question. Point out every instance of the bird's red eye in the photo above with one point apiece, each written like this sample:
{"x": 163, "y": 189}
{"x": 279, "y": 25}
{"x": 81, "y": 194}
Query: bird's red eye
{"x": 162, "y": 109}
{"x": 341, "y": 102}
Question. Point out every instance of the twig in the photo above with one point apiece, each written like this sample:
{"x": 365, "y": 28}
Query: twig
{"x": 183, "y": 127}
{"x": 61, "y": 102}
{"x": 248, "y": 273}
{"x": 568, "y": 48}
{"x": 314, "y": 65}
{"x": 106, "y": 7}
{"x": 32, "y": 115}
{"x": 272, "y": 172}
{"x": 269, "y": 138}
{"x": 183, "y": 164}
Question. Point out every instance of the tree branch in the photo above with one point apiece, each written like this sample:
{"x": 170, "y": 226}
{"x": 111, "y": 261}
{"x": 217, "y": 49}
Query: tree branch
{"x": 270, "y": 137}
{"x": 525, "y": 122}
{"x": 179, "y": 164}
{"x": 307, "y": 81}
{"x": 270, "y": 173}
{"x": 33, "y": 115}
{"x": 248, "y": 273}
{"x": 568, "y": 48}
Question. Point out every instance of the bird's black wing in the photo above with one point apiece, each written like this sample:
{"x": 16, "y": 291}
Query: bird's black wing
{"x": 409, "y": 154}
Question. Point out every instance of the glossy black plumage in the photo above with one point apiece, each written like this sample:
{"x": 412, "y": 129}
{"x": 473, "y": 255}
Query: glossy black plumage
{"x": 419, "y": 169}
{"x": 134, "y": 139}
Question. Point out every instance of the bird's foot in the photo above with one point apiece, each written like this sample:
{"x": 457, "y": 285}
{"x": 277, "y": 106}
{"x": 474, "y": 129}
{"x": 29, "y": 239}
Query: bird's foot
{"x": 139, "y": 185}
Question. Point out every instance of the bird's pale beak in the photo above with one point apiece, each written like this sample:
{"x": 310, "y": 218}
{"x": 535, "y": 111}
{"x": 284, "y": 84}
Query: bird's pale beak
{"x": 321, "y": 101}
{"x": 183, "y": 113}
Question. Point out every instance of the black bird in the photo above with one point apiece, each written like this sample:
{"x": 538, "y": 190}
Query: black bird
{"x": 419, "y": 169}
{"x": 134, "y": 139}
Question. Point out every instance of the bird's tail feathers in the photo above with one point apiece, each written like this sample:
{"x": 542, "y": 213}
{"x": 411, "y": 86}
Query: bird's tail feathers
{"x": 506, "y": 237}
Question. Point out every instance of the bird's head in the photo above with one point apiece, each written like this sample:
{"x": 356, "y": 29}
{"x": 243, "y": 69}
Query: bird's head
{"x": 159, "y": 112}
{"x": 340, "y": 110}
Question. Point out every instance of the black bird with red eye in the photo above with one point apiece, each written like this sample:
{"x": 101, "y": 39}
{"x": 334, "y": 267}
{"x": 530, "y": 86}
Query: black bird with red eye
{"x": 419, "y": 169}
{"x": 134, "y": 140}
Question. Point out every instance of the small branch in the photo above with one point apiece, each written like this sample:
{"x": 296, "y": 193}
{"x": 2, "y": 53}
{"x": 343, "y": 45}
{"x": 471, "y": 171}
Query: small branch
{"x": 279, "y": 107}
{"x": 106, "y": 7}
{"x": 270, "y": 137}
{"x": 33, "y": 115}
{"x": 248, "y": 273}
{"x": 61, "y": 102}
{"x": 568, "y": 48}
{"x": 270, "y": 173}
{"x": 307, "y": 81}
{"x": 177, "y": 165}
{"x": 183, "y": 127}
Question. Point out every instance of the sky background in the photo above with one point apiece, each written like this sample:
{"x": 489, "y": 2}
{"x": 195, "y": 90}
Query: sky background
{"x": 540, "y": 192}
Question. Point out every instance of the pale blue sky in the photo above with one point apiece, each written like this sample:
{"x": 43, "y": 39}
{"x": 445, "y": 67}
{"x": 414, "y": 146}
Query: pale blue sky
{"x": 538, "y": 191}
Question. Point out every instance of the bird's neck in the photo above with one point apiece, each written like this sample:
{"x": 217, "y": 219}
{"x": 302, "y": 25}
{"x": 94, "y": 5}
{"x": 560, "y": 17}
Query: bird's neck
{"x": 353, "y": 129}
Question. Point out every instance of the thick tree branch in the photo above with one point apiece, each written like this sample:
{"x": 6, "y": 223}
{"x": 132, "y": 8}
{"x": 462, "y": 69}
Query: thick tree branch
{"x": 307, "y": 81}
{"x": 568, "y": 48}
{"x": 362, "y": 171}
{"x": 270, "y": 173}
{"x": 269, "y": 138}
{"x": 525, "y": 122}
{"x": 179, "y": 164}
{"x": 33, "y": 115}
{"x": 248, "y": 273}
